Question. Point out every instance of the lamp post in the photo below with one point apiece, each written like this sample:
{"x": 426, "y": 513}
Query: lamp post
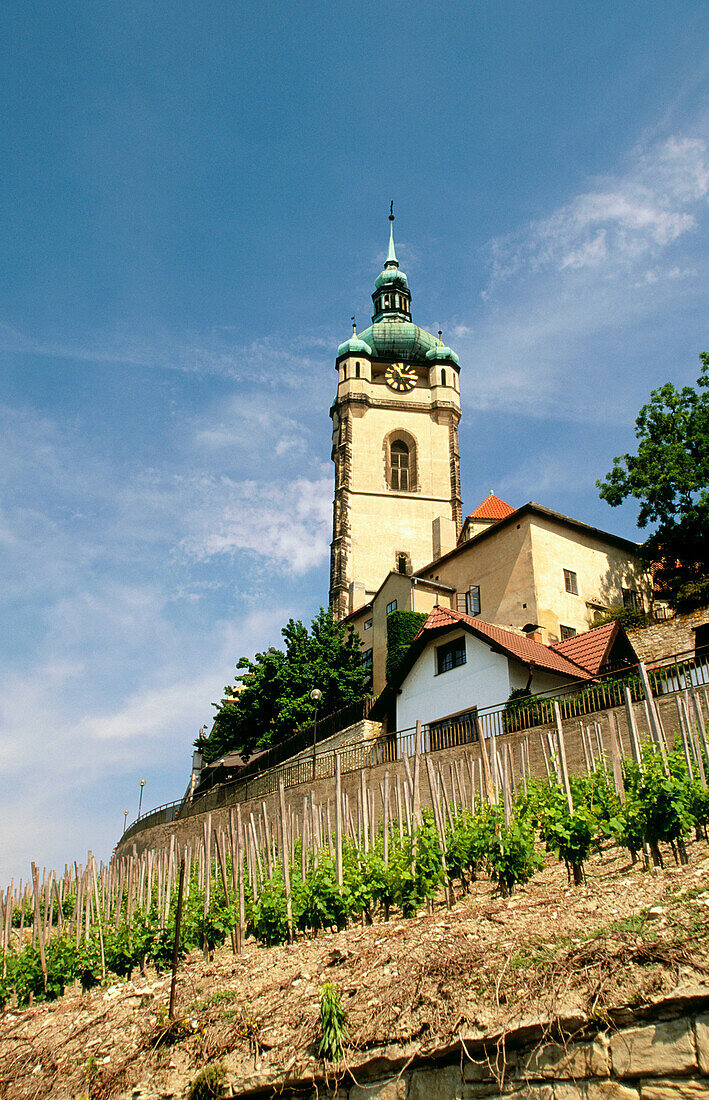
{"x": 316, "y": 696}
{"x": 140, "y": 800}
{"x": 125, "y": 820}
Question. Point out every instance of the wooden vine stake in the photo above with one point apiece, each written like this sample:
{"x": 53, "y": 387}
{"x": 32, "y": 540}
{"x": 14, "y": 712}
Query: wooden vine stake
{"x": 617, "y": 756}
{"x": 563, "y": 766}
{"x": 38, "y": 922}
{"x": 632, "y": 728}
{"x": 656, "y": 731}
{"x": 338, "y": 821}
{"x": 284, "y": 851}
{"x": 176, "y": 947}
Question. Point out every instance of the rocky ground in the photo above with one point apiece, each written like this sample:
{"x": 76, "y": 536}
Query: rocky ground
{"x": 408, "y": 985}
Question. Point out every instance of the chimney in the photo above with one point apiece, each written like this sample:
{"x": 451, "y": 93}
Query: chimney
{"x": 533, "y": 632}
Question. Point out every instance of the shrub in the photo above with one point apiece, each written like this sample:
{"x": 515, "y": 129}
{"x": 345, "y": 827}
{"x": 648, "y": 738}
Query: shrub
{"x": 512, "y": 858}
{"x": 208, "y": 1083}
{"x": 569, "y": 835}
{"x": 332, "y": 1023}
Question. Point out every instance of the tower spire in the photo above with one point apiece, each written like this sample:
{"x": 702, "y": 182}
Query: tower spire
{"x": 391, "y": 260}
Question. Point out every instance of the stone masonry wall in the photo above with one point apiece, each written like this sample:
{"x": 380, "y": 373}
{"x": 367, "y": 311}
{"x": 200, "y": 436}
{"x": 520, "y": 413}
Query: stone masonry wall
{"x": 676, "y": 635}
{"x": 661, "y": 1053}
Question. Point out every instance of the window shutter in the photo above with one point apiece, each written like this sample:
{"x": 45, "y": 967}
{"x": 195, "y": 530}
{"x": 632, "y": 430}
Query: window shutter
{"x": 460, "y": 602}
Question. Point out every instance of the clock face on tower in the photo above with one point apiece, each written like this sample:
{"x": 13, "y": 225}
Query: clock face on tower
{"x": 400, "y": 377}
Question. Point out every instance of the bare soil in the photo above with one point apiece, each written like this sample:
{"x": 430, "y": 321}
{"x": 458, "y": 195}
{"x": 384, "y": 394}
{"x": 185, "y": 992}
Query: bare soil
{"x": 484, "y": 965}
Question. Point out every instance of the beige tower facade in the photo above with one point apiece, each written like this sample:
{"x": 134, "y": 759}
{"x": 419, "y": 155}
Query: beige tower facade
{"x": 397, "y": 501}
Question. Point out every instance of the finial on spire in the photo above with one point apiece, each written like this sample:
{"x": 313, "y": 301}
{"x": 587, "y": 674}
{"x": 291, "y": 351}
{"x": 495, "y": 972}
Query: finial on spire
{"x": 440, "y": 336}
{"x": 391, "y": 254}
{"x": 354, "y": 327}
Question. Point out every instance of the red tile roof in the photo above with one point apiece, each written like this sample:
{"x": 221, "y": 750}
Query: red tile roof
{"x": 492, "y": 508}
{"x": 590, "y": 649}
{"x": 515, "y": 645}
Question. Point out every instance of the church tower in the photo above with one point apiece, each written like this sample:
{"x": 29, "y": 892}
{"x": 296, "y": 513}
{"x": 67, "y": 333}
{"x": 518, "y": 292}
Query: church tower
{"x": 394, "y": 445}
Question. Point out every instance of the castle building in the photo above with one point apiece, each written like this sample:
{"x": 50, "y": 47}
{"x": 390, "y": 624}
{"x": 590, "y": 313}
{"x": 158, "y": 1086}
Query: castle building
{"x": 399, "y": 542}
{"x": 395, "y": 421}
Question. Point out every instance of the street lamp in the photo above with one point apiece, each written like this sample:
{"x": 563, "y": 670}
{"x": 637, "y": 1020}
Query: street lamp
{"x": 316, "y": 696}
{"x": 140, "y": 800}
{"x": 125, "y": 820}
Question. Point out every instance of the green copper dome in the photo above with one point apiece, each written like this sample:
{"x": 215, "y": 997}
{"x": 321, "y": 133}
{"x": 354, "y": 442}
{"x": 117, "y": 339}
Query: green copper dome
{"x": 354, "y": 346}
{"x": 399, "y": 340}
{"x": 391, "y": 275}
{"x": 442, "y": 354}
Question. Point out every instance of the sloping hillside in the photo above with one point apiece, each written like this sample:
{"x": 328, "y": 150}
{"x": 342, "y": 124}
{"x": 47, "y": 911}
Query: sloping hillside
{"x": 408, "y": 986}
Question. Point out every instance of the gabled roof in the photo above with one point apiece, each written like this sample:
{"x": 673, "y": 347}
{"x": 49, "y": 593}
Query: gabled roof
{"x": 514, "y": 645}
{"x": 593, "y": 648}
{"x": 531, "y": 509}
{"x": 492, "y": 508}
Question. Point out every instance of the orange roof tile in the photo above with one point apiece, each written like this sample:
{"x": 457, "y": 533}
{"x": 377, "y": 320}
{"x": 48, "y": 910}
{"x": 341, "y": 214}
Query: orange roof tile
{"x": 591, "y": 648}
{"x": 524, "y": 649}
{"x": 492, "y": 508}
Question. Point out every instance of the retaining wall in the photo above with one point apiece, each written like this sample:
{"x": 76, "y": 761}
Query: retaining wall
{"x": 664, "y": 639}
{"x": 189, "y": 827}
{"x": 657, "y": 1053}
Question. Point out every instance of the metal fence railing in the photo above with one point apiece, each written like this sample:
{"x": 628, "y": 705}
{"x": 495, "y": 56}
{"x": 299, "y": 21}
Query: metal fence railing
{"x": 577, "y": 699}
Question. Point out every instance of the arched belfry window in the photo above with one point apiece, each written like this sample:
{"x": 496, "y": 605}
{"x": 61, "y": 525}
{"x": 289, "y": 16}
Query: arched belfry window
{"x": 400, "y": 461}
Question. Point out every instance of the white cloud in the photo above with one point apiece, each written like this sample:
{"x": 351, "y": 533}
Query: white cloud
{"x": 125, "y": 624}
{"x": 288, "y": 524}
{"x": 623, "y": 219}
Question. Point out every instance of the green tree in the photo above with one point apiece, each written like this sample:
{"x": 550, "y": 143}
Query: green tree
{"x": 274, "y": 701}
{"x": 669, "y": 475}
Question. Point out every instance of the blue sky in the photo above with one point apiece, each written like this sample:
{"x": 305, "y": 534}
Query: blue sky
{"x": 195, "y": 200}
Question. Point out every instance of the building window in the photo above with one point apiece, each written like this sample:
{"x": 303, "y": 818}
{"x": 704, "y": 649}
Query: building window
{"x": 443, "y": 378}
{"x": 571, "y": 582}
{"x": 701, "y": 638}
{"x": 400, "y": 466}
{"x": 367, "y": 624}
{"x": 356, "y": 370}
{"x": 567, "y": 632}
{"x": 367, "y": 658}
{"x": 451, "y": 655}
{"x": 391, "y": 607}
{"x": 402, "y": 563}
{"x": 459, "y": 729}
{"x": 631, "y": 598}
{"x": 472, "y": 600}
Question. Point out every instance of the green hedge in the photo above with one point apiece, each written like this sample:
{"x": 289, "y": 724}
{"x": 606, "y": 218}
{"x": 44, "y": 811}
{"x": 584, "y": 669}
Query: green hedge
{"x": 402, "y": 628}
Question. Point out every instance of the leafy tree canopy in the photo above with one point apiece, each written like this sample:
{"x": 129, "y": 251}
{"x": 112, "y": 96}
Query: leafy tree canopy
{"x": 275, "y": 698}
{"x": 669, "y": 475}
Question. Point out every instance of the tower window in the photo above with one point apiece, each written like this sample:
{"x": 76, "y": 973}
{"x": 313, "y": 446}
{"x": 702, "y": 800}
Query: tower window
{"x": 400, "y": 466}
{"x": 356, "y": 370}
{"x": 443, "y": 378}
{"x": 402, "y": 563}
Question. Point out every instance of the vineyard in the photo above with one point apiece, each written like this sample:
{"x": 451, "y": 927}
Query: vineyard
{"x": 305, "y": 872}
